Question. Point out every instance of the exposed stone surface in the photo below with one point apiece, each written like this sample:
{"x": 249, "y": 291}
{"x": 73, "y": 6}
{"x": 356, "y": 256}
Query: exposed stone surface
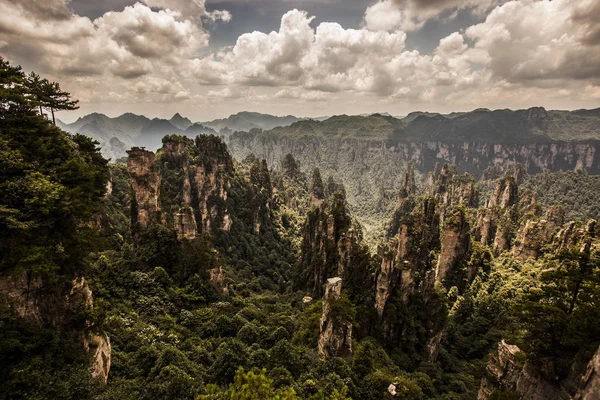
{"x": 506, "y": 373}
{"x": 590, "y": 382}
{"x": 204, "y": 167}
{"x": 99, "y": 347}
{"x": 387, "y": 159}
{"x": 506, "y": 193}
{"x": 32, "y": 301}
{"x": 335, "y": 339}
{"x": 454, "y": 244}
{"x": 24, "y": 293}
{"x": 185, "y": 223}
{"x": 409, "y": 186}
{"x": 385, "y": 277}
{"x": 218, "y": 278}
{"x": 145, "y": 182}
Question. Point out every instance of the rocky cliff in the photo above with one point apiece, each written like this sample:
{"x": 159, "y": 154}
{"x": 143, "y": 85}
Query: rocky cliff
{"x": 47, "y": 303}
{"x": 184, "y": 185}
{"x": 335, "y": 339}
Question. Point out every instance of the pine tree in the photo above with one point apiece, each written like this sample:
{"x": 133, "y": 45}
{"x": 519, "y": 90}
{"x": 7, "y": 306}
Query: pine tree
{"x": 55, "y": 99}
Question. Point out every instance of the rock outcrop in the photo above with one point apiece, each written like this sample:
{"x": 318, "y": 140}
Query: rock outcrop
{"x": 184, "y": 185}
{"x": 355, "y": 161}
{"x": 407, "y": 256}
{"x": 590, "y": 382}
{"x": 335, "y": 339}
{"x": 99, "y": 347}
{"x": 454, "y": 244}
{"x": 217, "y": 277}
{"x": 54, "y": 305}
{"x": 145, "y": 182}
{"x": 505, "y": 373}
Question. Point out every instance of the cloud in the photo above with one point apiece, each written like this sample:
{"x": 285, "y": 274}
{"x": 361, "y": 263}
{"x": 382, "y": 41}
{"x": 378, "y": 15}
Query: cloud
{"x": 190, "y": 9}
{"x": 126, "y": 44}
{"x": 540, "y": 43}
{"x": 48, "y": 9}
{"x": 157, "y": 52}
{"x": 384, "y": 16}
{"x": 329, "y": 58}
{"x": 411, "y": 15}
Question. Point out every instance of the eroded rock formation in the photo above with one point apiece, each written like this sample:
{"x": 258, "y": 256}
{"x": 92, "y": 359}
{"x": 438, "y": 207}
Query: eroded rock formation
{"x": 335, "y": 339}
{"x": 590, "y": 382}
{"x": 507, "y": 373}
{"x": 145, "y": 182}
{"x": 42, "y": 304}
{"x": 184, "y": 185}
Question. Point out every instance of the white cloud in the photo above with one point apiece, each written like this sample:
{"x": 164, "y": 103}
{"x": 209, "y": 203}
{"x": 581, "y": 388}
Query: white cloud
{"x": 125, "y": 44}
{"x": 384, "y": 16}
{"x": 540, "y": 43}
{"x": 524, "y": 51}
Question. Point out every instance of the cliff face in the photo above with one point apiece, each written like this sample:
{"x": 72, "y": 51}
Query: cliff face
{"x": 506, "y": 373}
{"x": 145, "y": 182}
{"x": 436, "y": 222}
{"x": 184, "y": 185}
{"x": 455, "y": 243}
{"x": 46, "y": 303}
{"x": 590, "y": 382}
{"x": 335, "y": 339}
{"x": 368, "y": 168}
{"x": 329, "y": 242}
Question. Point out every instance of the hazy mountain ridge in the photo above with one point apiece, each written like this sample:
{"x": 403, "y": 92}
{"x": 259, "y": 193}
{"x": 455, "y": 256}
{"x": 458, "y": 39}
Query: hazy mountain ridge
{"x": 245, "y": 121}
{"x": 534, "y": 125}
{"x": 138, "y": 130}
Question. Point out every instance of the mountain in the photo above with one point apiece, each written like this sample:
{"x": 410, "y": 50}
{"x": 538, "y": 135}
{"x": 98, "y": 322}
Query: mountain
{"x": 180, "y": 122}
{"x": 199, "y": 129}
{"x": 116, "y": 135}
{"x": 368, "y": 154}
{"x": 245, "y": 121}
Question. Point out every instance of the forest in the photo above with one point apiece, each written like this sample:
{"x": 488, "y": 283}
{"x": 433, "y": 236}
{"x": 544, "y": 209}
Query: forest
{"x": 188, "y": 274}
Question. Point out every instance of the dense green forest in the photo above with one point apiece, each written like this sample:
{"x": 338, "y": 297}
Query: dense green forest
{"x": 187, "y": 274}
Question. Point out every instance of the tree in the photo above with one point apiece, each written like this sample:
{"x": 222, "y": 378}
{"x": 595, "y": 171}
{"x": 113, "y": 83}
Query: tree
{"x": 55, "y": 99}
{"x": 560, "y": 317}
{"x": 290, "y": 167}
{"x": 37, "y": 86}
{"x": 317, "y": 188}
{"x": 15, "y": 95}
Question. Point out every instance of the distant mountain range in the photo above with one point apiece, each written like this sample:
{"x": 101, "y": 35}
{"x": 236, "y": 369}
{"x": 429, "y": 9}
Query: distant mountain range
{"x": 116, "y": 135}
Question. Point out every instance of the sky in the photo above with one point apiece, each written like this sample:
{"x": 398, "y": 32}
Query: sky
{"x": 207, "y": 59}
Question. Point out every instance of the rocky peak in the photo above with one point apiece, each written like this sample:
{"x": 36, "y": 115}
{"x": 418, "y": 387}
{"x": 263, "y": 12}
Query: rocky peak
{"x": 455, "y": 244}
{"x": 505, "y": 194}
{"x": 193, "y": 176}
{"x": 451, "y": 189}
{"x": 335, "y": 339}
{"x": 145, "y": 182}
